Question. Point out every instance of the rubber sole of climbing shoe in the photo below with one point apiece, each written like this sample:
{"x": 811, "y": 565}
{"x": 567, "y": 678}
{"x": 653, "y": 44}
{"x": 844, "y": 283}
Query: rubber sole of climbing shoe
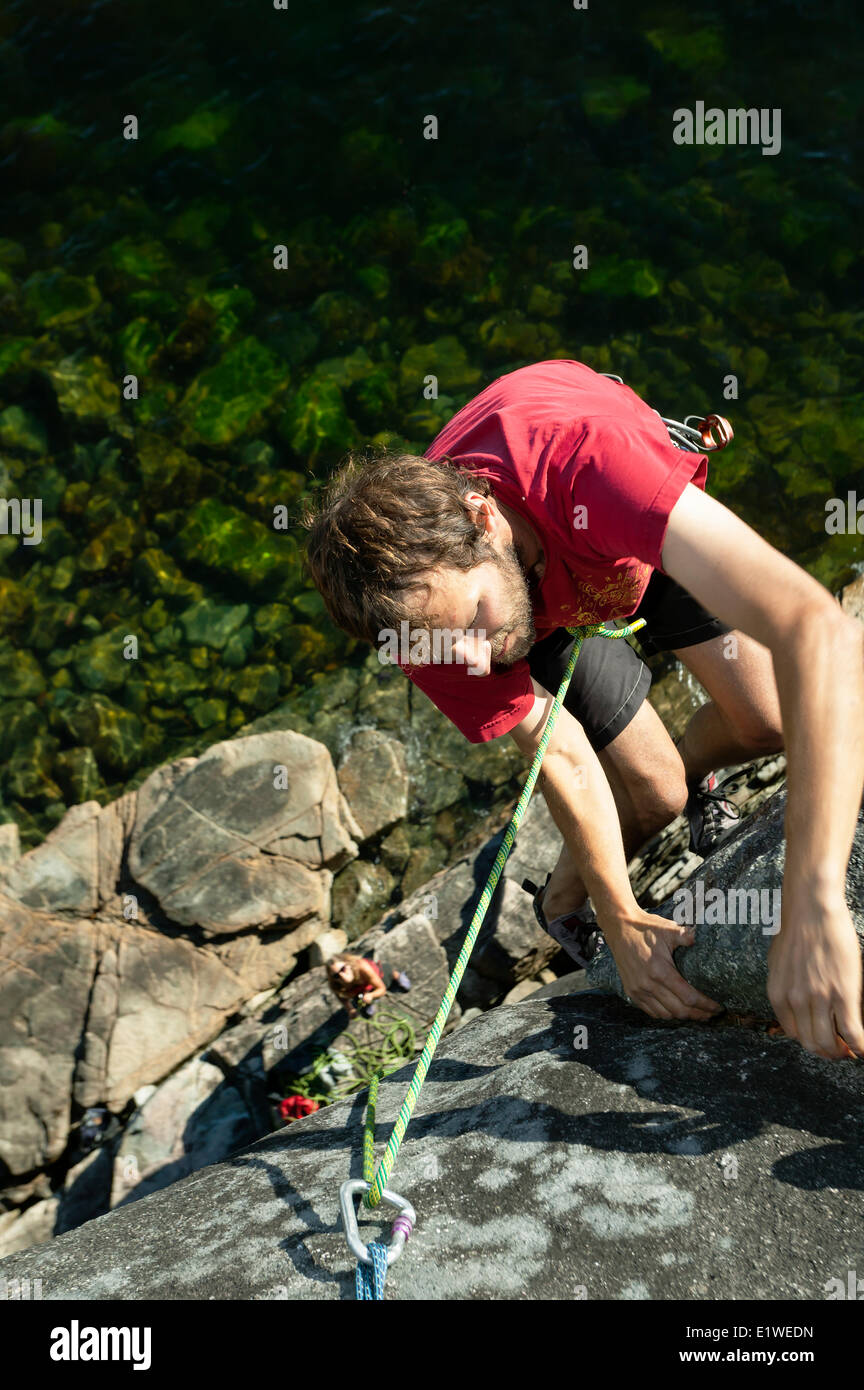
{"x": 576, "y": 933}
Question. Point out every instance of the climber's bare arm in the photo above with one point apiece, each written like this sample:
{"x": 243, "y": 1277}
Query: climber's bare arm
{"x": 818, "y": 653}
{"x": 580, "y": 802}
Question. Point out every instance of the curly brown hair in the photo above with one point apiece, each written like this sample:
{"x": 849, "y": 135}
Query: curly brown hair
{"x": 383, "y": 521}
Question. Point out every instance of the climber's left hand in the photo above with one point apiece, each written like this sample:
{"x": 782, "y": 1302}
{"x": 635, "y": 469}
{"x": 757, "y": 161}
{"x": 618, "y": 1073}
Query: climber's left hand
{"x": 815, "y": 977}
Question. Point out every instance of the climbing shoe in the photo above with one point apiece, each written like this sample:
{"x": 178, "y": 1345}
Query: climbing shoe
{"x": 402, "y": 982}
{"x": 577, "y": 932}
{"x": 712, "y": 817}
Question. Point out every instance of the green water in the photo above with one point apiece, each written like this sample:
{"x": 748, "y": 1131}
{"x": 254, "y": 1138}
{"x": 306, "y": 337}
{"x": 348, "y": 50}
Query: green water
{"x": 405, "y": 256}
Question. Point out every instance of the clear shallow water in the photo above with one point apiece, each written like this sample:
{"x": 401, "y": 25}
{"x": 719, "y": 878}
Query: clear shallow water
{"x": 405, "y": 256}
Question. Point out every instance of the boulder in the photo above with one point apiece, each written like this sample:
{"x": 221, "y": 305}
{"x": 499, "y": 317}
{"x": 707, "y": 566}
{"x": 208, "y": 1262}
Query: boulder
{"x": 49, "y": 966}
{"x": 736, "y": 893}
{"x": 327, "y": 945}
{"x": 92, "y": 1010}
{"x": 247, "y": 836}
{"x": 76, "y": 867}
{"x": 10, "y": 845}
{"x": 852, "y": 598}
{"x": 373, "y": 778}
{"x": 193, "y": 1119}
{"x": 561, "y": 1148}
{"x": 19, "y": 1230}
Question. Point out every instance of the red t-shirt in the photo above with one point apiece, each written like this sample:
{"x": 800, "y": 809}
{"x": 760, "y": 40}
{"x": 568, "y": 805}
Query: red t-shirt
{"x": 593, "y": 470}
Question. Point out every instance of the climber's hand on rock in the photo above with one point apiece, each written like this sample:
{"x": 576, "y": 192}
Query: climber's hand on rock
{"x": 814, "y": 979}
{"x": 642, "y": 945}
{"x": 470, "y": 647}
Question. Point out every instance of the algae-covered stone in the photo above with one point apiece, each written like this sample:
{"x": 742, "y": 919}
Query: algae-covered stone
{"x": 375, "y": 279}
{"x": 211, "y": 624}
{"x": 340, "y": 317}
{"x": 85, "y": 388}
{"x": 168, "y": 638}
{"x": 345, "y": 371}
{"x": 306, "y": 648}
{"x": 77, "y": 774}
{"x": 100, "y": 664}
{"x": 16, "y": 357}
{"x": 449, "y": 257}
{"x": 199, "y": 223}
{"x": 170, "y": 679}
{"x": 446, "y": 359}
{"x": 271, "y": 619}
{"x": 20, "y": 722}
{"x": 139, "y": 342}
{"x": 56, "y": 298}
{"x": 290, "y": 336}
{"x": 607, "y": 99}
{"x": 423, "y": 862}
{"x": 375, "y": 396}
{"x": 256, "y": 687}
{"x": 208, "y": 714}
{"x": 225, "y": 401}
{"x": 25, "y": 778}
{"x": 227, "y": 540}
{"x": 231, "y": 307}
{"x": 20, "y": 673}
{"x": 545, "y": 303}
{"x": 509, "y": 336}
{"x": 361, "y": 892}
{"x": 116, "y": 544}
{"x": 139, "y": 260}
{"x": 113, "y": 733}
{"x": 203, "y": 129}
{"x": 395, "y": 849}
{"x": 22, "y": 431}
{"x": 162, "y": 578}
{"x": 238, "y": 646}
{"x": 16, "y": 602}
{"x": 316, "y": 419}
{"x": 12, "y": 253}
{"x": 309, "y": 606}
{"x": 58, "y": 617}
{"x": 619, "y": 277}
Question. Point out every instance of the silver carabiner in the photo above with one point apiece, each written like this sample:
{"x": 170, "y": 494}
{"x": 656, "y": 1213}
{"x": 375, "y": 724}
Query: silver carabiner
{"x": 399, "y": 1231}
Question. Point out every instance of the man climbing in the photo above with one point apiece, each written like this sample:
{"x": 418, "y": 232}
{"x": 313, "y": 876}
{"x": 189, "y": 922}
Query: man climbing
{"x": 556, "y": 498}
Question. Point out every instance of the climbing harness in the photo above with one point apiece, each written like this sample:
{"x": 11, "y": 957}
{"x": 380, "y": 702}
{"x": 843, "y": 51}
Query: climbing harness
{"x": 375, "y": 1258}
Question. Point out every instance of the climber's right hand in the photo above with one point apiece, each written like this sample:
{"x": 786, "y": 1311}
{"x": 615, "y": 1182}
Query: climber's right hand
{"x": 642, "y": 944}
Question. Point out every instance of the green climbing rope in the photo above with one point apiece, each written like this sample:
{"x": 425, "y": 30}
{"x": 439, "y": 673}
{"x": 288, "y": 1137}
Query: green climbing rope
{"x": 378, "y": 1180}
{"x": 397, "y": 1045}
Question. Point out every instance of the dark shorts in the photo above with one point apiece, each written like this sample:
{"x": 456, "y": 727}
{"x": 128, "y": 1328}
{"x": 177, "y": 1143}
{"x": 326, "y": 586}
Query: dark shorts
{"x": 610, "y": 681}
